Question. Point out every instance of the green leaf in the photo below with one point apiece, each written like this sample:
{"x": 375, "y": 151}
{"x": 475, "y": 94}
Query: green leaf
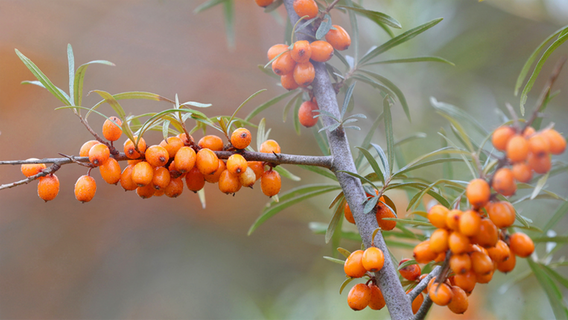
{"x": 383, "y": 157}
{"x": 348, "y": 95}
{"x": 289, "y": 105}
{"x": 324, "y": 27}
{"x": 344, "y": 252}
{"x": 363, "y": 179}
{"x": 375, "y": 16}
{"x": 374, "y": 84}
{"x": 334, "y": 260}
{"x": 557, "y": 239}
{"x": 229, "y": 12}
{"x": 207, "y": 4}
{"x": 80, "y": 77}
{"x": 441, "y": 151}
{"x": 367, "y": 141}
{"x": 321, "y": 139}
{"x": 556, "y": 276}
{"x": 551, "y": 289}
{"x": 429, "y": 163}
{"x": 539, "y": 185}
{"x": 392, "y": 87}
{"x": 260, "y": 133}
{"x": 414, "y": 59}
{"x": 370, "y": 203}
{"x": 245, "y": 102}
{"x": 334, "y": 223}
{"x": 58, "y": 93}
{"x": 286, "y": 174}
{"x": 398, "y": 40}
{"x": 321, "y": 171}
{"x": 559, "y": 213}
{"x": 373, "y": 163}
{"x": 410, "y": 222}
{"x": 344, "y": 284}
{"x": 71, "y": 63}
{"x": 389, "y": 132}
{"x": 267, "y": 104}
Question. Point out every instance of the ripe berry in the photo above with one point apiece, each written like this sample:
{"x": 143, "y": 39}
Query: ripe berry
{"x": 112, "y": 131}
{"x": 453, "y": 219}
{"x": 284, "y": 64}
{"x": 556, "y": 141}
{"x": 500, "y": 252}
{"x": 48, "y": 187}
{"x": 214, "y": 178}
{"x": 501, "y": 213}
{"x": 417, "y": 303}
{"x": 384, "y": 212}
{"x": 146, "y": 191}
{"x": 157, "y": 156}
{"x": 142, "y": 173}
{"x": 522, "y": 172}
{"x": 517, "y": 148}
{"x": 161, "y": 178}
{"x": 422, "y": 253}
{"x": 501, "y": 137}
{"x": 460, "y": 263}
{"x": 488, "y": 234}
{"x": 287, "y": 81}
{"x": 306, "y": 114}
{"x": 469, "y": 223}
{"x": 263, "y": 3}
{"x": 440, "y": 293}
{"x": 269, "y": 146}
{"x": 539, "y": 145}
{"x": 478, "y": 192}
{"x": 338, "y": 38}
{"x": 439, "y": 240}
{"x": 206, "y": 161}
{"x": 110, "y": 171}
{"x": 304, "y": 73}
{"x": 410, "y": 272}
{"x": 504, "y": 182}
{"x": 228, "y": 182}
{"x": 509, "y": 264}
{"x": 185, "y": 159}
{"x": 236, "y": 164}
{"x": 539, "y": 164}
{"x": 257, "y": 167}
{"x": 194, "y": 179}
{"x": 466, "y": 281}
{"x": 129, "y": 149}
{"x": 359, "y": 296}
{"x": 301, "y": 51}
{"x": 459, "y": 301}
{"x": 187, "y": 140}
{"x": 241, "y": 138}
{"x": 353, "y": 266}
{"x": 276, "y": 50}
{"x": 172, "y": 145}
{"x": 521, "y": 245}
{"x": 84, "y": 152}
{"x": 126, "y": 179}
{"x": 481, "y": 263}
{"x": 85, "y": 188}
{"x": 348, "y": 213}
{"x": 458, "y": 243}
{"x": 33, "y": 168}
{"x": 270, "y": 183}
{"x": 437, "y": 216}
{"x": 377, "y": 299}
{"x": 322, "y": 51}
{"x": 99, "y": 154}
{"x": 212, "y": 142}
{"x": 175, "y": 188}
{"x": 373, "y": 259}
{"x": 307, "y": 8}
{"x": 247, "y": 178}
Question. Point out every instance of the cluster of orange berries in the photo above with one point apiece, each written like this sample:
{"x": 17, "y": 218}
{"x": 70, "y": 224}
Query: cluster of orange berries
{"x": 357, "y": 265}
{"x": 381, "y": 212}
{"x": 161, "y": 169}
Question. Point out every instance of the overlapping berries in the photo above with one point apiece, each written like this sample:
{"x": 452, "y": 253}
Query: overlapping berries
{"x": 161, "y": 169}
{"x": 359, "y": 264}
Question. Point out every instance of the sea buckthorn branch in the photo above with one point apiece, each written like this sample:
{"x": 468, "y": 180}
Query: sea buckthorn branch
{"x": 397, "y": 302}
{"x": 424, "y": 283}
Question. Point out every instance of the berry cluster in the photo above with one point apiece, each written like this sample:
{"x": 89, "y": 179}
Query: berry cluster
{"x": 361, "y": 263}
{"x": 160, "y": 169}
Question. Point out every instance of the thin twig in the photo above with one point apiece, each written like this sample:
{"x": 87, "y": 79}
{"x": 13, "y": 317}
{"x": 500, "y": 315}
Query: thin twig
{"x": 43, "y": 173}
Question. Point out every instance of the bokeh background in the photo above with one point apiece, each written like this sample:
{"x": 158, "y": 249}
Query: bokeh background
{"x": 122, "y": 257}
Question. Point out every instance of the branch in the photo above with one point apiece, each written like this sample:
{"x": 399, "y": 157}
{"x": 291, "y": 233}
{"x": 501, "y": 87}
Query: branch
{"x": 398, "y": 304}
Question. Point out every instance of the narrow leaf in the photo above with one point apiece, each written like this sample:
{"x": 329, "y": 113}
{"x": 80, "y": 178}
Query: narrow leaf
{"x": 414, "y": 59}
{"x": 334, "y": 260}
{"x": 389, "y": 132}
{"x": 324, "y": 27}
{"x": 348, "y": 95}
{"x": 267, "y": 104}
{"x": 207, "y": 4}
{"x": 80, "y": 77}
{"x": 286, "y": 174}
{"x": 71, "y": 63}
{"x": 373, "y": 163}
{"x": 383, "y": 158}
{"x": 375, "y": 16}
{"x": 321, "y": 171}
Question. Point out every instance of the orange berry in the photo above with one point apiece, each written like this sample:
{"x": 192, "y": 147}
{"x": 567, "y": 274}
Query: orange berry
{"x": 507, "y": 265}
{"x": 458, "y": 243}
{"x": 348, "y": 213}
{"x": 236, "y": 164}
{"x": 187, "y": 141}
{"x": 287, "y": 81}
{"x": 112, "y": 131}
{"x": 175, "y": 188}
{"x": 529, "y": 131}
{"x": 194, "y": 179}
{"x": 110, "y": 171}
{"x": 338, "y": 38}
{"x": 459, "y": 303}
{"x": 417, "y": 303}
{"x": 522, "y": 172}
{"x": 206, "y": 161}
{"x": 469, "y": 223}
{"x": 306, "y": 114}
{"x": 301, "y": 51}
{"x": 241, "y": 138}
{"x": 373, "y": 259}
{"x": 172, "y": 145}
{"x": 270, "y": 183}
{"x": 521, "y": 245}
{"x": 129, "y": 149}
{"x": 422, "y": 252}
{"x": 228, "y": 182}
{"x": 453, "y": 219}
{"x": 85, "y": 188}
{"x": 501, "y": 213}
{"x": 159, "y": 193}
{"x": 501, "y": 137}
{"x": 504, "y": 182}
{"x": 142, "y": 173}
{"x": 257, "y": 167}
{"x": 48, "y": 187}
{"x": 500, "y": 252}
{"x": 478, "y": 192}
{"x": 269, "y": 146}
{"x": 539, "y": 165}
{"x": 411, "y": 272}
{"x": 146, "y": 191}
{"x": 304, "y": 73}
{"x": 439, "y": 240}
{"x": 212, "y": 142}
{"x": 33, "y": 168}
{"x": 539, "y": 145}
{"x": 377, "y": 299}
{"x": 466, "y": 281}
{"x": 460, "y": 263}
{"x": 174, "y": 173}
{"x": 556, "y": 141}
{"x": 157, "y": 156}
{"x": 353, "y": 266}
{"x": 481, "y": 263}
{"x": 133, "y": 162}
{"x": 247, "y": 178}
{"x": 307, "y": 8}
{"x": 126, "y": 179}
{"x": 322, "y": 51}
{"x": 185, "y": 159}
{"x": 517, "y": 148}
{"x": 359, "y": 296}
{"x": 488, "y": 234}
{"x": 84, "y": 152}
{"x": 99, "y": 154}
{"x": 161, "y": 178}
{"x": 276, "y": 50}
{"x": 440, "y": 293}
{"x": 284, "y": 64}
{"x": 384, "y": 212}
{"x": 437, "y": 216}
{"x": 484, "y": 278}
{"x": 263, "y": 3}
{"x": 214, "y": 178}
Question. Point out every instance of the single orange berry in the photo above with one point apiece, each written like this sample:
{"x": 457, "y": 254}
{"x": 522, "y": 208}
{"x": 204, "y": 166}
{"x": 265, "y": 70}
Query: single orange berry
{"x": 528, "y": 132}
{"x": 417, "y": 303}
{"x": 504, "y": 182}
{"x": 322, "y": 51}
{"x": 276, "y": 50}
{"x": 229, "y": 183}
{"x": 110, "y": 171}
{"x": 241, "y": 138}
{"x": 539, "y": 145}
{"x": 126, "y": 179}
{"x": 453, "y": 219}
{"x": 440, "y": 293}
{"x": 488, "y": 234}
{"x": 481, "y": 263}
{"x": 507, "y": 265}
{"x": 373, "y": 259}
{"x": 185, "y": 159}
{"x": 422, "y": 252}
{"x": 410, "y": 272}
{"x": 307, "y": 8}
{"x": 32, "y": 169}
{"x": 377, "y": 299}
{"x": 501, "y": 137}
{"x": 187, "y": 140}
{"x": 129, "y": 149}
{"x": 236, "y": 164}
{"x": 353, "y": 265}
{"x": 437, "y": 216}
{"x": 348, "y": 213}
{"x": 466, "y": 281}
{"x": 556, "y": 141}
{"x": 269, "y": 146}
{"x": 146, "y": 191}
{"x": 384, "y": 212}
{"x": 459, "y": 303}
{"x": 500, "y": 252}
{"x": 142, "y": 173}
{"x": 85, "y": 188}
{"x": 247, "y": 178}
{"x": 214, "y": 178}
{"x": 194, "y": 179}
{"x": 157, "y": 156}
{"x": 174, "y": 173}
{"x": 48, "y": 187}
{"x": 338, "y": 38}
{"x": 517, "y": 148}
{"x": 359, "y": 296}
{"x": 539, "y": 165}
{"x": 257, "y": 167}
{"x": 99, "y": 154}
{"x": 460, "y": 263}
{"x": 306, "y": 114}
{"x": 212, "y": 142}
{"x": 206, "y": 161}
{"x": 161, "y": 178}
{"x": 501, "y": 213}
{"x": 522, "y": 172}
{"x": 284, "y": 64}
{"x": 521, "y": 245}
{"x": 172, "y": 145}
{"x": 175, "y": 188}
{"x": 84, "y": 151}
{"x": 469, "y": 223}
{"x": 304, "y": 73}
{"x": 484, "y": 278}
{"x": 263, "y": 3}
{"x": 301, "y": 51}
{"x": 458, "y": 243}
{"x": 111, "y": 128}
{"x": 439, "y": 240}
{"x": 270, "y": 183}
{"x": 287, "y": 81}
{"x": 478, "y": 192}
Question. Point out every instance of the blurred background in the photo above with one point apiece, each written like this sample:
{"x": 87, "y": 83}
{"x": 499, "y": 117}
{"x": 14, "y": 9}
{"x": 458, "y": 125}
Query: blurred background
{"x": 122, "y": 257}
